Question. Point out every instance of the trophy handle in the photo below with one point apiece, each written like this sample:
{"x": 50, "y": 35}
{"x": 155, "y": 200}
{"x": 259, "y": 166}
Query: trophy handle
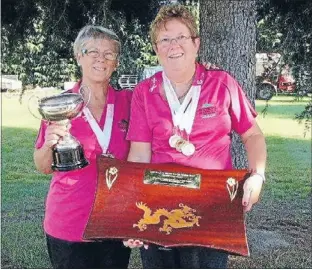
{"x": 30, "y": 108}
{"x": 83, "y": 91}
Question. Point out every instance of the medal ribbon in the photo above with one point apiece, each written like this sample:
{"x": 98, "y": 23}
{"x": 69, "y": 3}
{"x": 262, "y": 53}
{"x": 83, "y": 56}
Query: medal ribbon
{"x": 104, "y": 136}
{"x": 183, "y": 115}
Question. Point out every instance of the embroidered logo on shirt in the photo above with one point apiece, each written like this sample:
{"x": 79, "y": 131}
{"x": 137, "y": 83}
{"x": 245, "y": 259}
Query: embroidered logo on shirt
{"x": 153, "y": 85}
{"x": 201, "y": 79}
{"x": 208, "y": 110}
{"x": 123, "y": 125}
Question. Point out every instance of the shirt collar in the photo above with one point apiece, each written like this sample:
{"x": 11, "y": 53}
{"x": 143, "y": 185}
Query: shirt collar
{"x": 156, "y": 80}
{"x": 110, "y": 92}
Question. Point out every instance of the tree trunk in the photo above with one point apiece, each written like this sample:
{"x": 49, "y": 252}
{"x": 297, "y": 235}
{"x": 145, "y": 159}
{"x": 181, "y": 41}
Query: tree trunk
{"x": 228, "y": 38}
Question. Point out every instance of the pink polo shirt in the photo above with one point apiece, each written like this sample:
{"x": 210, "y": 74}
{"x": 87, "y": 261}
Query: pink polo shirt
{"x": 71, "y": 194}
{"x": 222, "y": 107}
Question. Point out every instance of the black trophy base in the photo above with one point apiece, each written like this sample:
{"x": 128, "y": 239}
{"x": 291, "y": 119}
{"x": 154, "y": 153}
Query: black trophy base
{"x": 68, "y": 159}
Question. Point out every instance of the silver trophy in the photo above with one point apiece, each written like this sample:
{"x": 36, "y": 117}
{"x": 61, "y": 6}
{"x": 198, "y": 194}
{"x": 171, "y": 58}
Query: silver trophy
{"x": 68, "y": 153}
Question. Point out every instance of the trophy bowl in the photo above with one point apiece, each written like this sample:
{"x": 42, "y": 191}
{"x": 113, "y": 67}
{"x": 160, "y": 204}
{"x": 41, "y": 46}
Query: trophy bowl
{"x": 61, "y": 107}
{"x": 68, "y": 153}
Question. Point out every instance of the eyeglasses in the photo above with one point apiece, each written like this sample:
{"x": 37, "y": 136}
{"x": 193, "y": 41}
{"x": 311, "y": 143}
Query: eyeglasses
{"x": 181, "y": 40}
{"x": 95, "y": 54}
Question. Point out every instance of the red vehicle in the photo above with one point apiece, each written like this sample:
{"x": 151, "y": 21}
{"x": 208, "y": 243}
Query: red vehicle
{"x": 286, "y": 83}
{"x": 271, "y": 77}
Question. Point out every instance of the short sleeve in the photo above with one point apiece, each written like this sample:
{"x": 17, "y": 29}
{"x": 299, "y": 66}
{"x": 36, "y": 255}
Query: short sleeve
{"x": 40, "y": 137}
{"x": 139, "y": 130}
{"x": 241, "y": 111}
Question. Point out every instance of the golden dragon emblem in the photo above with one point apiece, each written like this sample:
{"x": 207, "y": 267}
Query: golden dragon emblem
{"x": 176, "y": 218}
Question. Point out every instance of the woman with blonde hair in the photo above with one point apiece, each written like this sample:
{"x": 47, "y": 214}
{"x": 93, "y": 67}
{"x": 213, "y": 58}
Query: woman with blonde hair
{"x": 185, "y": 115}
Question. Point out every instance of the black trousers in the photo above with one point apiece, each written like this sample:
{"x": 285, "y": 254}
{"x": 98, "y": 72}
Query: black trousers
{"x": 183, "y": 257}
{"x": 82, "y": 255}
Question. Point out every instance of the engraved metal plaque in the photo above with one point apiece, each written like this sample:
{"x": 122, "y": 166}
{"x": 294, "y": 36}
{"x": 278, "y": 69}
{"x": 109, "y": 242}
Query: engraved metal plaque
{"x": 187, "y": 180}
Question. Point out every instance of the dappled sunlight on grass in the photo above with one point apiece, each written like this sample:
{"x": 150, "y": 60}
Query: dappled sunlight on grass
{"x": 289, "y": 148}
{"x": 278, "y": 110}
{"x": 279, "y": 120}
{"x": 25, "y": 237}
{"x": 289, "y": 168}
{"x": 283, "y": 128}
{"x": 15, "y": 114}
{"x": 24, "y": 189}
{"x": 17, "y": 152}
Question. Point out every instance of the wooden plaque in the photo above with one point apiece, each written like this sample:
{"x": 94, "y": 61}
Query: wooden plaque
{"x": 169, "y": 205}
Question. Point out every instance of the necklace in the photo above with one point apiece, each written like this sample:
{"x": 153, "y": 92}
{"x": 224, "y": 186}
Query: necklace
{"x": 188, "y": 87}
{"x": 180, "y": 98}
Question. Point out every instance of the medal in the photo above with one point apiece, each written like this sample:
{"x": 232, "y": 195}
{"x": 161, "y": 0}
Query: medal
{"x": 188, "y": 149}
{"x": 179, "y": 144}
{"x": 173, "y": 140}
{"x": 183, "y": 116}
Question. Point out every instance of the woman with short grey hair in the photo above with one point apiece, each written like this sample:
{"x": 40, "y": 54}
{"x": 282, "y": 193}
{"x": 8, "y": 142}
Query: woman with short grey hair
{"x": 101, "y": 129}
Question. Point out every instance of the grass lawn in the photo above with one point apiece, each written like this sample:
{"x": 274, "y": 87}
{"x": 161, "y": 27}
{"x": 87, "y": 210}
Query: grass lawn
{"x": 283, "y": 210}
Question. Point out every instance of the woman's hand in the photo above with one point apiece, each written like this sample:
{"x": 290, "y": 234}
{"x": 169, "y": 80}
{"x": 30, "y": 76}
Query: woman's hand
{"x": 53, "y": 133}
{"x": 131, "y": 243}
{"x": 252, "y": 188}
{"x": 43, "y": 156}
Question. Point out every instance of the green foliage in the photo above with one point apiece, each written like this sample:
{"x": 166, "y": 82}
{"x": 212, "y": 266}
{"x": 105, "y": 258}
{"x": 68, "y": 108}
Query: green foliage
{"x": 136, "y": 51}
{"x": 37, "y": 57}
{"x": 284, "y": 26}
{"x": 193, "y": 6}
{"x": 143, "y": 10}
{"x": 305, "y": 117}
{"x": 37, "y": 35}
{"x": 42, "y": 55}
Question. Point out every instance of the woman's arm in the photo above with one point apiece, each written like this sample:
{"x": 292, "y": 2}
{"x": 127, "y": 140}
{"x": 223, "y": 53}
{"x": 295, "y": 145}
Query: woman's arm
{"x": 140, "y": 152}
{"x": 255, "y": 145}
{"x": 43, "y": 159}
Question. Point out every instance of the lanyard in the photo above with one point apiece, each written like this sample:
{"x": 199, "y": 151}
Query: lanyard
{"x": 183, "y": 115}
{"x": 104, "y": 136}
